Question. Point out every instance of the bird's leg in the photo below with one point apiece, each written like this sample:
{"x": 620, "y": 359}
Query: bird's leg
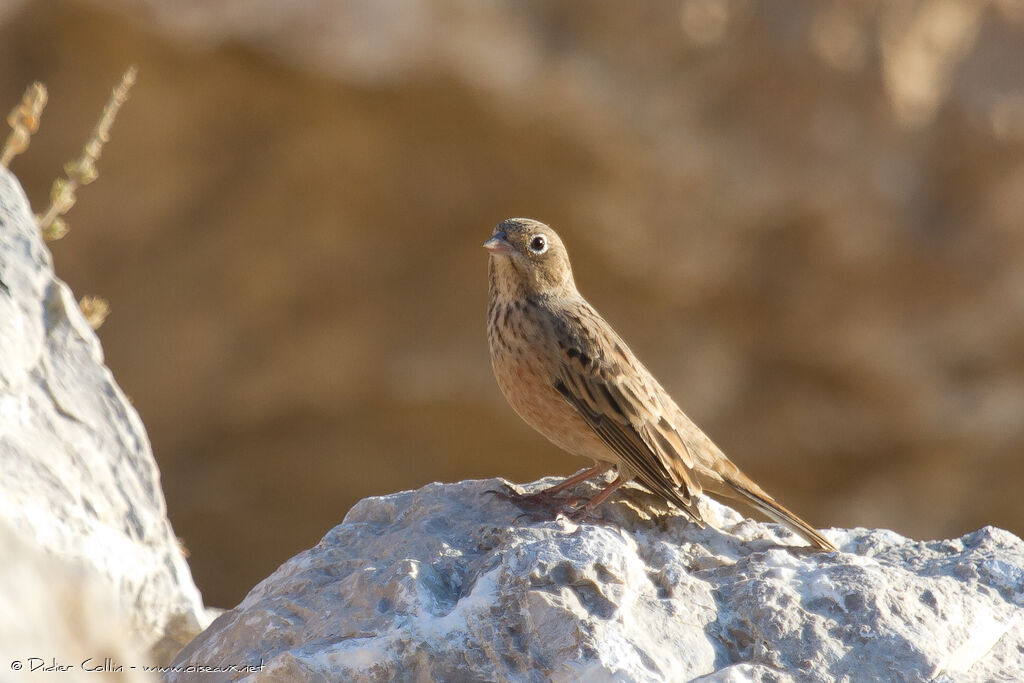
{"x": 569, "y": 482}
{"x": 587, "y": 509}
{"x": 547, "y": 496}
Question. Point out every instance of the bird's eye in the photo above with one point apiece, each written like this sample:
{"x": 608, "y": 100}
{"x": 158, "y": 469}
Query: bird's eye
{"x": 538, "y": 244}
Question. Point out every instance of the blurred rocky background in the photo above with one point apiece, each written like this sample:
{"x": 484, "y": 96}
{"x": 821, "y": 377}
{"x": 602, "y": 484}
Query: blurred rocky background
{"x": 806, "y": 217}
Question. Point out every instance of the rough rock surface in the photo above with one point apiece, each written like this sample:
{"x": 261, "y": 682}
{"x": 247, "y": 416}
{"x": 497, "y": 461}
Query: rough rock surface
{"x": 79, "y": 480}
{"x": 450, "y": 582}
{"x": 59, "y": 613}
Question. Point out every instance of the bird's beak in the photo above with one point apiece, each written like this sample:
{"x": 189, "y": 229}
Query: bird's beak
{"x": 498, "y": 244}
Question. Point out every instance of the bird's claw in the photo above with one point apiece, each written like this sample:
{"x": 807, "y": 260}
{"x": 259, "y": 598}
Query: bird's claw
{"x": 578, "y": 511}
{"x": 541, "y": 500}
{"x": 508, "y": 494}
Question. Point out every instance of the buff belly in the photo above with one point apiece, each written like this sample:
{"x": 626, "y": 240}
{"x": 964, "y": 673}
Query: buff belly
{"x": 529, "y": 391}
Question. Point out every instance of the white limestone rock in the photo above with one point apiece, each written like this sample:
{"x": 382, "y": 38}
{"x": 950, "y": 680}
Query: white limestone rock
{"x": 61, "y": 617}
{"x": 452, "y": 583}
{"x": 79, "y": 480}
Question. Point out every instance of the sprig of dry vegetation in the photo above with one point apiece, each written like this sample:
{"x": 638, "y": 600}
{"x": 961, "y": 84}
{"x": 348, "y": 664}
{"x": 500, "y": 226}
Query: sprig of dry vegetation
{"x": 24, "y": 121}
{"x": 82, "y": 171}
{"x": 95, "y": 309}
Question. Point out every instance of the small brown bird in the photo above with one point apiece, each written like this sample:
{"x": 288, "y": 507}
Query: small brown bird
{"x": 568, "y": 374}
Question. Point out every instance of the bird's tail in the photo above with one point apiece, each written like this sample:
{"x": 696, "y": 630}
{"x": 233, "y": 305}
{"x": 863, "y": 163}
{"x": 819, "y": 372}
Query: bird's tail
{"x": 767, "y": 505}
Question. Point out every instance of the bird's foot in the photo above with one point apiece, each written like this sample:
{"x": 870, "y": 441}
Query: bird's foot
{"x": 541, "y": 500}
{"x": 544, "y": 505}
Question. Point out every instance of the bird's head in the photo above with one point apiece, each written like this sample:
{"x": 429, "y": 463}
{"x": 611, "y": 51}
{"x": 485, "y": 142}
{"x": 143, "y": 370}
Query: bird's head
{"x": 528, "y": 258}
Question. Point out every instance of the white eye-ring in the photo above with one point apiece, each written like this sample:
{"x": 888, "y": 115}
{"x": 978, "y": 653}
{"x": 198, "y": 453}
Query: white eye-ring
{"x": 538, "y": 244}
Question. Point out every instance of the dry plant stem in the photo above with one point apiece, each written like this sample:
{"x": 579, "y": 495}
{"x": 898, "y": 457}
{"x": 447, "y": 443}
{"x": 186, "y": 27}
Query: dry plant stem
{"x": 24, "y": 121}
{"x": 82, "y": 171}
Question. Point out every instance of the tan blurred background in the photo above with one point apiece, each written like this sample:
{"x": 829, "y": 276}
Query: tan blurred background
{"x": 805, "y": 216}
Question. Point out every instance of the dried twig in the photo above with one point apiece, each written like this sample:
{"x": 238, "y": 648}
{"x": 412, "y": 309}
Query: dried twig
{"x": 24, "y": 120}
{"x": 82, "y": 171}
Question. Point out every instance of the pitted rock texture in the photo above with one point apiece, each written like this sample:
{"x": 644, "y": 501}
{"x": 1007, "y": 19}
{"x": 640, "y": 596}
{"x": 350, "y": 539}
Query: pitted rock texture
{"x": 79, "y": 480}
{"x": 451, "y": 582}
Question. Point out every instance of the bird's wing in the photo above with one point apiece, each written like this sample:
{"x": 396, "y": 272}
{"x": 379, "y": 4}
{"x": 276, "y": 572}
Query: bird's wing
{"x": 616, "y": 395}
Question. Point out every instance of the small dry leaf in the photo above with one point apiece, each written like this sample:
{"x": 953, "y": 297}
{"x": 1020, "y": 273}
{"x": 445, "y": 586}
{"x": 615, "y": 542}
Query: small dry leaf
{"x": 95, "y": 310}
{"x": 24, "y": 121}
{"x": 57, "y": 229}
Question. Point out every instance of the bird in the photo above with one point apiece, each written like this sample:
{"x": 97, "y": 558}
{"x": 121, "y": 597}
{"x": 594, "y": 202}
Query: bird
{"x": 571, "y": 377}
